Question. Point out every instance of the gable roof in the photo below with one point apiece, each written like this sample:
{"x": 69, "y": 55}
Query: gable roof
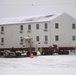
{"x": 17, "y": 20}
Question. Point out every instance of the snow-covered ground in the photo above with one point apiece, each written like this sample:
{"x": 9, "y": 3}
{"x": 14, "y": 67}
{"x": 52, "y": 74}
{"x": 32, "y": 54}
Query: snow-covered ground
{"x": 39, "y": 65}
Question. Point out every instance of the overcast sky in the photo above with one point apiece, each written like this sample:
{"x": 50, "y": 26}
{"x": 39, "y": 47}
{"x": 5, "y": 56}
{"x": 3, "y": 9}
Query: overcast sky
{"x": 16, "y": 8}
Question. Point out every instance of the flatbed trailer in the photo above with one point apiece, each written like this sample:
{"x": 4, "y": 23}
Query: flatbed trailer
{"x": 16, "y": 52}
{"x": 59, "y": 50}
{"x": 9, "y": 52}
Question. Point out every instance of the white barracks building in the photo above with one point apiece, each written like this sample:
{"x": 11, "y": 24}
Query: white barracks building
{"x": 45, "y": 31}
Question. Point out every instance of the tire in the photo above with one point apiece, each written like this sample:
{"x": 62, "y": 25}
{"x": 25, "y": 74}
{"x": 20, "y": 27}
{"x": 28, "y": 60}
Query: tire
{"x": 18, "y": 54}
{"x": 6, "y": 54}
{"x": 28, "y": 53}
{"x": 35, "y": 53}
{"x": 60, "y": 52}
{"x": 47, "y": 52}
{"x": 66, "y": 52}
{"x": 1, "y": 54}
{"x": 63, "y": 52}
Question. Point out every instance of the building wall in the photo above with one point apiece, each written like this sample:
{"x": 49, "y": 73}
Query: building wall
{"x": 65, "y": 31}
{"x": 41, "y": 32}
{"x": 12, "y": 35}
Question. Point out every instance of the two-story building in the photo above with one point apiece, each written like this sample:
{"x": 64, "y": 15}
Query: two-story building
{"x": 45, "y": 31}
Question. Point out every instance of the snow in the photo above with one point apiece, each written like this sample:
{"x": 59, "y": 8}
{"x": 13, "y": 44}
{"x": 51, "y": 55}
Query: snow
{"x": 39, "y": 65}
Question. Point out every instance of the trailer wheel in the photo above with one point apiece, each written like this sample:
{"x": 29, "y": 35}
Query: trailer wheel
{"x": 6, "y": 54}
{"x": 18, "y": 54}
{"x": 63, "y": 52}
{"x": 28, "y": 53}
{"x": 35, "y": 53}
{"x": 66, "y": 52}
{"x": 60, "y": 52}
{"x": 1, "y": 54}
{"x": 47, "y": 52}
{"x": 43, "y": 53}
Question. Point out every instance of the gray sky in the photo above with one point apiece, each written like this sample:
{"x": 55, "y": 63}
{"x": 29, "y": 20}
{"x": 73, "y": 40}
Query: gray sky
{"x": 16, "y": 8}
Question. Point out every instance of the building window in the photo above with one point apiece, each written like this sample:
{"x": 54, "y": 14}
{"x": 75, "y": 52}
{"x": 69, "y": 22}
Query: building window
{"x": 21, "y": 27}
{"x": 56, "y": 25}
{"x": 73, "y": 38}
{"x": 2, "y": 28}
{"x": 46, "y": 25}
{"x": 2, "y": 41}
{"x": 73, "y": 26}
{"x": 37, "y": 26}
{"x": 29, "y": 27}
{"x": 46, "y": 38}
{"x": 56, "y": 38}
{"x": 37, "y": 38}
{"x": 21, "y": 40}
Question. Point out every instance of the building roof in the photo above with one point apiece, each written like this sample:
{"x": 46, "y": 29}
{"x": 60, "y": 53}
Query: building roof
{"x": 16, "y": 20}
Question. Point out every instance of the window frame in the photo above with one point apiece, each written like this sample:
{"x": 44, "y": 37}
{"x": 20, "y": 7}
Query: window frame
{"x": 56, "y": 25}
{"x": 21, "y": 40}
{"x": 73, "y": 38}
{"x": 2, "y": 40}
{"x": 46, "y": 25}
{"x": 37, "y": 26}
{"x": 46, "y": 38}
{"x": 21, "y": 27}
{"x": 73, "y": 26}
{"x": 56, "y": 37}
{"x": 2, "y": 28}
{"x": 37, "y": 38}
{"x": 29, "y": 27}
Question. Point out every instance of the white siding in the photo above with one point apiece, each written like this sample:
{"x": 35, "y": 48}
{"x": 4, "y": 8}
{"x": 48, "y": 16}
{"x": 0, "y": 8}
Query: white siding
{"x": 41, "y": 33}
{"x": 12, "y": 35}
{"x": 64, "y": 31}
